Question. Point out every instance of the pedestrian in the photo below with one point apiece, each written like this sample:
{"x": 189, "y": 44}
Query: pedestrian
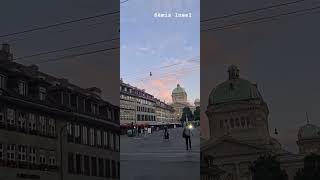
{"x": 166, "y": 133}
{"x": 187, "y": 135}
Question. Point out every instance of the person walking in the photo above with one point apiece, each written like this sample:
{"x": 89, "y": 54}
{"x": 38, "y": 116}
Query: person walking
{"x": 187, "y": 135}
{"x": 166, "y": 133}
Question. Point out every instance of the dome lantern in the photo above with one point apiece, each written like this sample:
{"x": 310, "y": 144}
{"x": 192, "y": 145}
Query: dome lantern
{"x": 233, "y": 72}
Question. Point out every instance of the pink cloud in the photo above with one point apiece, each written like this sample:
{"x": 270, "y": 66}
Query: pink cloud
{"x": 160, "y": 88}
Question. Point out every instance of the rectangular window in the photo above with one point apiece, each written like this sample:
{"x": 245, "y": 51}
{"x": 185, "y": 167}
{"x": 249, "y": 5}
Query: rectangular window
{"x": 77, "y": 133}
{"x": 105, "y": 139}
{"x": 92, "y": 137}
{"x": 11, "y": 149}
{"x": 32, "y": 155}
{"x": 93, "y": 166}
{"x": 23, "y": 88}
{"x": 112, "y": 141}
{"x": 42, "y": 124}
{"x": 52, "y": 161}
{"x": 52, "y": 127}
{"x": 115, "y": 142}
{"x": 3, "y": 81}
{"x": 42, "y": 157}
{"x": 98, "y": 137}
{"x": 22, "y": 153}
{"x": 52, "y": 158}
{"x": 78, "y": 164}
{"x": 84, "y": 135}
{"x": 114, "y": 170}
{"x": 70, "y": 162}
{"x": 69, "y": 129}
{"x": 118, "y": 167}
{"x": 22, "y": 120}
{"x": 100, "y": 162}
{"x": 86, "y": 166}
{"x": 107, "y": 167}
{"x": 42, "y": 93}
{"x": 11, "y": 117}
{"x": 32, "y": 122}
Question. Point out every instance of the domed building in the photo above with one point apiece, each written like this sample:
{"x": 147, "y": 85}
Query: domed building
{"x": 309, "y": 139}
{"x": 179, "y": 95}
{"x": 239, "y": 130}
{"x": 179, "y": 101}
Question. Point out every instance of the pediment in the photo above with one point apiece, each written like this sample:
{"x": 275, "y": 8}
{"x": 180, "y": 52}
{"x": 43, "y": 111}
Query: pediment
{"x": 230, "y": 147}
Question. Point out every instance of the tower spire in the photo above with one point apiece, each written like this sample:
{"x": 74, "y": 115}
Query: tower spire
{"x": 307, "y": 118}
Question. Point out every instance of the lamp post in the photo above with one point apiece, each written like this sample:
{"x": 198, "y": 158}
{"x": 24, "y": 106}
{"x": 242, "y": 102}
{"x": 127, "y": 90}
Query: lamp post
{"x": 61, "y": 149}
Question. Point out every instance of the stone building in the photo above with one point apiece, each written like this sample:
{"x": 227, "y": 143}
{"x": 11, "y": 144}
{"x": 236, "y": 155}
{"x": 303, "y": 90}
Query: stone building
{"x": 164, "y": 112}
{"x": 239, "y": 130}
{"x": 136, "y": 105}
{"x": 51, "y": 129}
{"x": 179, "y": 101}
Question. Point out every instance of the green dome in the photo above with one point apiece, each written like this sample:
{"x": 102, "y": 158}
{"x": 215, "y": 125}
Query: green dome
{"x": 309, "y": 131}
{"x": 234, "y": 89}
{"x": 178, "y": 90}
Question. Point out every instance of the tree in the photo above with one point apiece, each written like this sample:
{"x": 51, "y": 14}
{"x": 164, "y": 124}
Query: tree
{"x": 311, "y": 170}
{"x": 186, "y": 112}
{"x": 196, "y": 113}
{"x": 267, "y": 167}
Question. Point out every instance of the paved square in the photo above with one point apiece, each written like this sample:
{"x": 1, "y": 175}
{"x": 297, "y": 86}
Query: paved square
{"x": 152, "y": 158}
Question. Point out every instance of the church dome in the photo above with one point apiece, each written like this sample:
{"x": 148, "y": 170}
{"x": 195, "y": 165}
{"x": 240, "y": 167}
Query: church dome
{"x": 309, "y": 131}
{"x": 197, "y": 101}
{"x": 178, "y": 90}
{"x": 234, "y": 89}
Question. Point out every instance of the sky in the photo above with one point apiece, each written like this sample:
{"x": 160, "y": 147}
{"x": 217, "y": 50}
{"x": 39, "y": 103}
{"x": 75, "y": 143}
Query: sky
{"x": 97, "y": 70}
{"x": 169, "y": 48}
{"x": 282, "y": 56}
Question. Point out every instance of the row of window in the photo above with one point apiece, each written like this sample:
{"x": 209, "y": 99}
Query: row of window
{"x": 28, "y": 122}
{"x": 25, "y": 153}
{"x": 137, "y": 92}
{"x": 65, "y": 98}
{"x": 145, "y": 117}
{"x": 93, "y": 166}
{"x": 92, "y": 136}
{"x": 145, "y": 102}
{"x": 145, "y": 109}
{"x": 243, "y": 122}
{"x": 22, "y": 87}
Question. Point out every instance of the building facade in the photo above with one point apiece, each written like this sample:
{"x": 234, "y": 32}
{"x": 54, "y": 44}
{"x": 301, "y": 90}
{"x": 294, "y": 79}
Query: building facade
{"x": 51, "y": 129}
{"x": 164, "y": 112}
{"x": 239, "y": 131}
{"x": 180, "y": 101}
{"x": 136, "y": 106}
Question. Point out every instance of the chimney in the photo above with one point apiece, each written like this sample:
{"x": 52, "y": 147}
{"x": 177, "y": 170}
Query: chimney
{"x": 5, "y": 54}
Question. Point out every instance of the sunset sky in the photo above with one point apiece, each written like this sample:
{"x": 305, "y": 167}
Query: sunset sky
{"x": 99, "y": 69}
{"x": 167, "y": 47}
{"x": 281, "y": 56}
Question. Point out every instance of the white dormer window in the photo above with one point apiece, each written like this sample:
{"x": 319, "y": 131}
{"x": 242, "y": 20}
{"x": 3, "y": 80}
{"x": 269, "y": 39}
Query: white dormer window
{"x": 3, "y": 81}
{"x": 23, "y": 88}
{"x": 42, "y": 93}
